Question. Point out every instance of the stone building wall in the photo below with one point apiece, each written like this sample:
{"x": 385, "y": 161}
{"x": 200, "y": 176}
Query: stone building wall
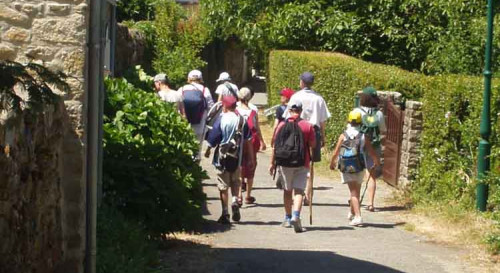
{"x": 410, "y": 147}
{"x": 44, "y": 194}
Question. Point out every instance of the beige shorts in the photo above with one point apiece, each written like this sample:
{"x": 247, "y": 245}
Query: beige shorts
{"x": 226, "y": 179}
{"x": 353, "y": 177}
{"x": 293, "y": 177}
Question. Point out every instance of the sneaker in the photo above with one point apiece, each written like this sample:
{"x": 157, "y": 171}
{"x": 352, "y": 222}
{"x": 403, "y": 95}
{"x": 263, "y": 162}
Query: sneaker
{"x": 250, "y": 200}
{"x": 236, "y": 211}
{"x": 224, "y": 219}
{"x": 356, "y": 221}
{"x": 297, "y": 226}
{"x": 287, "y": 223}
{"x": 350, "y": 216}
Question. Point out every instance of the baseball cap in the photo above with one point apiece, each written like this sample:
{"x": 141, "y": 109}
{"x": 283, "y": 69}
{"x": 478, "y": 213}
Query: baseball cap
{"x": 195, "y": 75}
{"x": 297, "y": 105}
{"x": 370, "y": 91}
{"x": 287, "y": 92}
{"x": 162, "y": 77}
{"x": 244, "y": 94}
{"x": 229, "y": 101}
{"x": 224, "y": 76}
{"x": 307, "y": 77}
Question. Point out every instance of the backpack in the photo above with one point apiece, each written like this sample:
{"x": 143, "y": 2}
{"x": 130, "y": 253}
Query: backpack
{"x": 194, "y": 104}
{"x": 350, "y": 157}
{"x": 212, "y": 116}
{"x": 289, "y": 145}
{"x": 230, "y": 152}
{"x": 370, "y": 126}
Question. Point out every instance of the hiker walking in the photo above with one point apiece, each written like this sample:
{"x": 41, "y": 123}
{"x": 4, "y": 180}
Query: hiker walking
{"x": 292, "y": 142}
{"x": 252, "y": 119}
{"x": 167, "y": 94}
{"x": 231, "y": 137}
{"x": 348, "y": 157}
{"x": 373, "y": 126}
{"x": 197, "y": 100}
{"x": 285, "y": 95}
{"x": 226, "y": 87}
{"x": 315, "y": 112}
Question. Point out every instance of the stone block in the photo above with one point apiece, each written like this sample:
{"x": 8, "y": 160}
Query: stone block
{"x": 43, "y": 53}
{"x": 68, "y": 30}
{"x": 415, "y": 105}
{"x": 7, "y": 52}
{"x": 16, "y": 35}
{"x": 81, "y": 9}
{"x": 32, "y": 10}
{"x": 13, "y": 16}
{"x": 58, "y": 9}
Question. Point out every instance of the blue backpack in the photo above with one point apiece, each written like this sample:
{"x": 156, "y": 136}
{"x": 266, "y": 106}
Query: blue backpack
{"x": 350, "y": 156}
{"x": 194, "y": 104}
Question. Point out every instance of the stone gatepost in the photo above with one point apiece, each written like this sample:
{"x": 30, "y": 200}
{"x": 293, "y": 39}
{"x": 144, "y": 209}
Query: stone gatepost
{"x": 53, "y": 33}
{"x": 410, "y": 147}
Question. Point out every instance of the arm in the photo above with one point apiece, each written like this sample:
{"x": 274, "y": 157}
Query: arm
{"x": 371, "y": 152}
{"x": 180, "y": 107}
{"x": 335, "y": 156}
{"x": 259, "y": 133}
{"x": 323, "y": 129}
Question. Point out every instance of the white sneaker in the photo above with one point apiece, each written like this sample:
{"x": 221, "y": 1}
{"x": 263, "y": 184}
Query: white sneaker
{"x": 350, "y": 216}
{"x": 356, "y": 221}
{"x": 297, "y": 225}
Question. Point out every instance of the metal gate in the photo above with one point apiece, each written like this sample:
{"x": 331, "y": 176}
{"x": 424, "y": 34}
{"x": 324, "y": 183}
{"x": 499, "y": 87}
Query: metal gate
{"x": 392, "y": 153}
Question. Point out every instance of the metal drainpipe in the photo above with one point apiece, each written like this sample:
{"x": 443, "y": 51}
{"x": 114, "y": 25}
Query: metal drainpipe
{"x": 93, "y": 95}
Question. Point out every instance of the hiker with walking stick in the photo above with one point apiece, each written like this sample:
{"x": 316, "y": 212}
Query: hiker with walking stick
{"x": 348, "y": 158}
{"x": 292, "y": 141}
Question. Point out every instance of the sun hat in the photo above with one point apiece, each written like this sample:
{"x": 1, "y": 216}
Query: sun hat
{"x": 307, "y": 78}
{"x": 229, "y": 101}
{"x": 224, "y": 76}
{"x": 354, "y": 116}
{"x": 244, "y": 94}
{"x": 195, "y": 75}
{"x": 287, "y": 92}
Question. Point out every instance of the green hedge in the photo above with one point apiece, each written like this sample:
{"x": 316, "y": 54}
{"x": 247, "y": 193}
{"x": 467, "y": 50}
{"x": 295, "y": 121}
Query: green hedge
{"x": 449, "y": 145}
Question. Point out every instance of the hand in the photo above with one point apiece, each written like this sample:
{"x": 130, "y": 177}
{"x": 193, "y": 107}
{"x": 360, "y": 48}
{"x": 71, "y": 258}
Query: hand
{"x": 272, "y": 169}
{"x": 333, "y": 165}
{"x": 262, "y": 146}
{"x": 207, "y": 152}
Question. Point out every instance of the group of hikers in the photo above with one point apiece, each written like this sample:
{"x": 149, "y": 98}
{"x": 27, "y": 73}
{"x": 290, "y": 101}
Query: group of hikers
{"x": 230, "y": 126}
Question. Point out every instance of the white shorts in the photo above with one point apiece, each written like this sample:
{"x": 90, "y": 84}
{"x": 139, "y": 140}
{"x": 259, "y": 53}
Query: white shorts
{"x": 293, "y": 177}
{"x": 353, "y": 177}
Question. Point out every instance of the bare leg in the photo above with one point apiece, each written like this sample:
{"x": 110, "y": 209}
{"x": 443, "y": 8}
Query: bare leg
{"x": 224, "y": 197}
{"x": 297, "y": 200}
{"x": 372, "y": 186}
{"x": 249, "y": 187}
{"x": 354, "y": 188}
{"x": 240, "y": 191}
{"x": 236, "y": 187}
{"x": 287, "y": 200}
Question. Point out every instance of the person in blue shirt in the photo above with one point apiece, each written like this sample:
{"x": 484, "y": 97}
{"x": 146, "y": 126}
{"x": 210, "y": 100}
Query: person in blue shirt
{"x": 231, "y": 137}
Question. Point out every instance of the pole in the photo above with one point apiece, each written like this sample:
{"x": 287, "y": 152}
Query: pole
{"x": 483, "y": 164}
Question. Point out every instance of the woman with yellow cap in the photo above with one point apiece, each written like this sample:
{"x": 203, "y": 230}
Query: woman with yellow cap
{"x": 348, "y": 157}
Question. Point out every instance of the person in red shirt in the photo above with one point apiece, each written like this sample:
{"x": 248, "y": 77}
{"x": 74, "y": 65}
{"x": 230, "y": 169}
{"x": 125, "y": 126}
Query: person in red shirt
{"x": 294, "y": 179}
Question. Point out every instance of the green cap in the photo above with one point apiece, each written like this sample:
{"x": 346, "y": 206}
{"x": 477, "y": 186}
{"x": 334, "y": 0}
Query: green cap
{"x": 370, "y": 91}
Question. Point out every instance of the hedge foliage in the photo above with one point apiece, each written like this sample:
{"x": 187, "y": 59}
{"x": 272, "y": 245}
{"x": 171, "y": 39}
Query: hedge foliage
{"x": 451, "y": 107}
{"x": 149, "y": 173}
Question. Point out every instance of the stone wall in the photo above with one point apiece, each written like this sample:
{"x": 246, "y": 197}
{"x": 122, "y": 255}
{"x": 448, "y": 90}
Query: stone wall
{"x": 132, "y": 50}
{"x": 46, "y": 181}
{"x": 410, "y": 147}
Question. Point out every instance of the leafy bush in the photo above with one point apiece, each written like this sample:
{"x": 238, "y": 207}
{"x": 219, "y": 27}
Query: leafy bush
{"x": 122, "y": 245}
{"x": 451, "y": 108}
{"x": 149, "y": 172}
{"x": 136, "y": 10}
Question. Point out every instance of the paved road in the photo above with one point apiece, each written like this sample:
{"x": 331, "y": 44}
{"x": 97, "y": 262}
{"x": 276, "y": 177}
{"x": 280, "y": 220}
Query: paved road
{"x": 259, "y": 244}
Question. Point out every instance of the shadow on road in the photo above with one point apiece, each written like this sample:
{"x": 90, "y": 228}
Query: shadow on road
{"x": 314, "y": 205}
{"x": 313, "y": 228}
{"x": 193, "y": 257}
{"x": 384, "y": 225}
{"x": 392, "y": 208}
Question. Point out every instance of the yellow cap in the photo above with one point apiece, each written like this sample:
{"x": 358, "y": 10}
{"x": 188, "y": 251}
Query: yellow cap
{"x": 354, "y": 116}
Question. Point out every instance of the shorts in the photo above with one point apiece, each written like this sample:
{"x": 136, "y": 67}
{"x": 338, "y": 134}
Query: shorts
{"x": 227, "y": 179}
{"x": 369, "y": 162}
{"x": 316, "y": 154}
{"x": 293, "y": 177}
{"x": 353, "y": 177}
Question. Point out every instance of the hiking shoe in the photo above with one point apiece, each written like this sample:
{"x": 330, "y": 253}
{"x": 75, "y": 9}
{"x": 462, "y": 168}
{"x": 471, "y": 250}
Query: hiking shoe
{"x": 224, "y": 219}
{"x": 297, "y": 226}
{"x": 236, "y": 211}
{"x": 356, "y": 221}
{"x": 350, "y": 216}
{"x": 287, "y": 223}
{"x": 240, "y": 202}
{"x": 250, "y": 200}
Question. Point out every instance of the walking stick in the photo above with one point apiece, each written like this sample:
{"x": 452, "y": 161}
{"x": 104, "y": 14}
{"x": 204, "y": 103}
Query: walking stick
{"x": 311, "y": 194}
{"x": 366, "y": 187}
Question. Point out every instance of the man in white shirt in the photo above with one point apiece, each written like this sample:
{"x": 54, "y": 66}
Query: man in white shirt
{"x": 315, "y": 111}
{"x": 195, "y": 80}
{"x": 167, "y": 94}
{"x": 226, "y": 87}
